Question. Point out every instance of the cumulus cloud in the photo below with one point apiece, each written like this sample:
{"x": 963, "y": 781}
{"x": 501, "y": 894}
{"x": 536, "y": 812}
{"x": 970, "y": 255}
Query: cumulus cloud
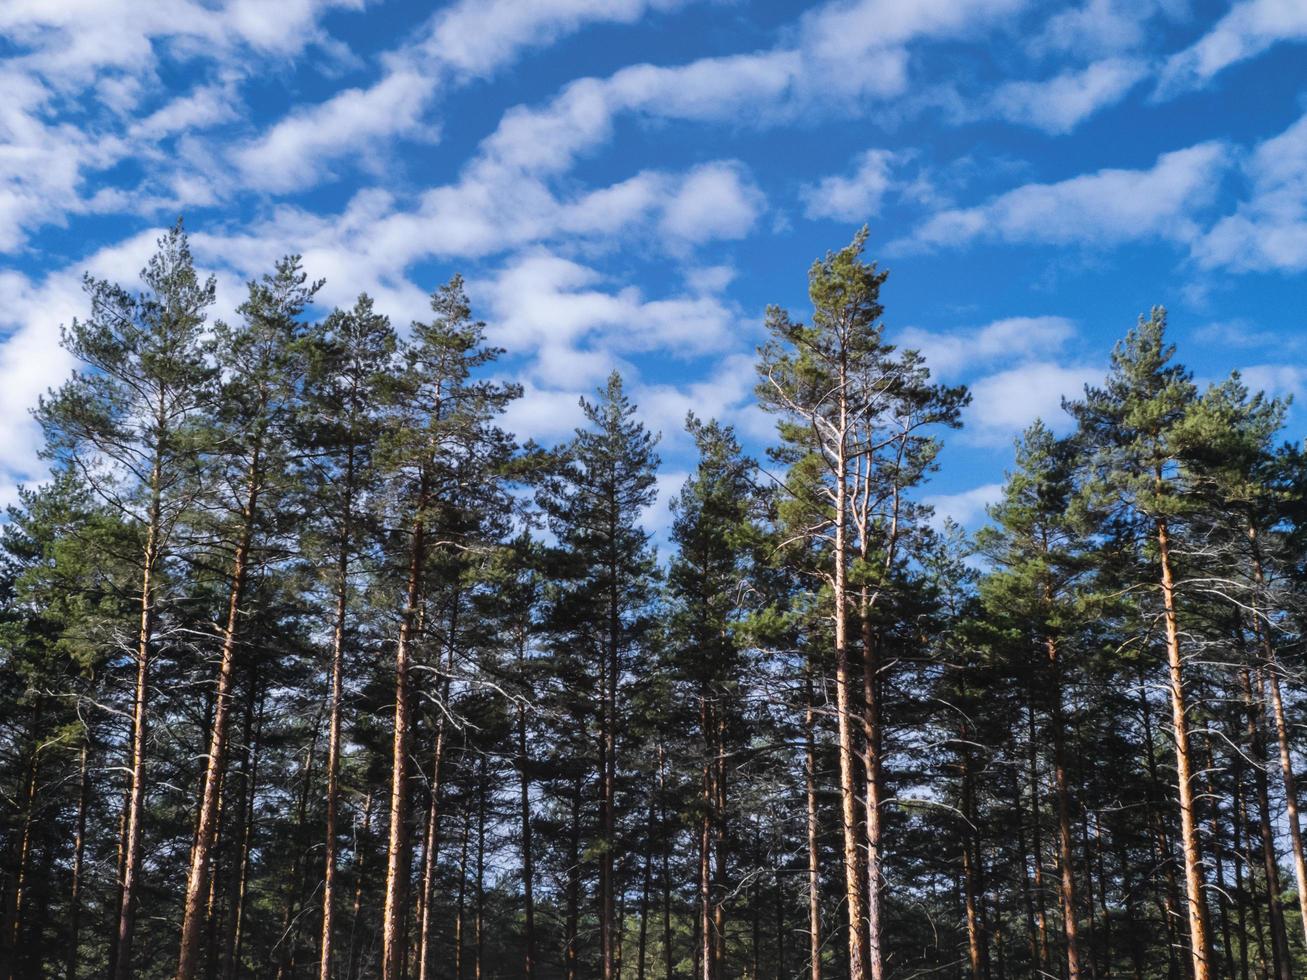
{"x": 1268, "y": 231}
{"x": 296, "y": 151}
{"x": 1005, "y": 403}
{"x": 854, "y": 197}
{"x": 949, "y": 353}
{"x": 1059, "y": 104}
{"x": 968, "y": 508}
{"x": 1108, "y": 207}
{"x": 1251, "y": 27}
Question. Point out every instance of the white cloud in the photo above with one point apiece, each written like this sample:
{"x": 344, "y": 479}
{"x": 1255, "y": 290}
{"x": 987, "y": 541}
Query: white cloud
{"x": 1277, "y": 380}
{"x": 853, "y": 198}
{"x": 1107, "y": 207}
{"x": 1251, "y": 27}
{"x": 967, "y": 508}
{"x": 1104, "y": 27}
{"x": 1005, "y": 403}
{"x": 477, "y": 36}
{"x": 715, "y": 201}
{"x": 949, "y": 353}
{"x": 205, "y": 106}
{"x": 1269, "y": 230}
{"x": 296, "y": 151}
{"x": 1059, "y": 104}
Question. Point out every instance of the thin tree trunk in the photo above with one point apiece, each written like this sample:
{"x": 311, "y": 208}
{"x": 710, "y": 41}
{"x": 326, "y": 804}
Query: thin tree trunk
{"x": 197, "y": 883}
{"x": 873, "y": 765}
{"x": 461, "y": 908}
{"x": 121, "y": 954}
{"x": 1067, "y": 890}
{"x": 1199, "y": 943}
{"x": 397, "y": 863}
{"x": 1045, "y": 959}
{"x": 18, "y": 891}
{"x": 333, "y": 725}
{"x": 573, "y": 884}
{"x": 249, "y": 781}
{"x": 431, "y": 847}
{"x": 1167, "y": 901}
{"x": 1254, "y": 712}
{"x": 79, "y": 849}
{"x": 528, "y": 872}
{"x": 360, "y": 853}
{"x": 666, "y": 883}
{"x": 814, "y": 853}
{"x": 481, "y": 869}
{"x": 843, "y": 710}
{"x": 646, "y": 886}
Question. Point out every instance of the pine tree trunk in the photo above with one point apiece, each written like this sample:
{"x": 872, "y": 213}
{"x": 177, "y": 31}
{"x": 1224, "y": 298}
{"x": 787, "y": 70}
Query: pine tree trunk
{"x": 1214, "y": 828}
{"x": 1254, "y": 712}
{"x": 397, "y": 863}
{"x": 239, "y": 884}
{"x": 646, "y": 886}
{"x": 333, "y": 726}
{"x": 528, "y": 872}
{"x": 197, "y": 883}
{"x": 608, "y": 768}
{"x": 1195, "y": 900}
{"x": 17, "y": 893}
{"x": 431, "y": 846}
{"x": 79, "y": 849}
{"x": 1045, "y": 958}
{"x": 121, "y": 952}
{"x": 872, "y": 764}
{"x": 572, "y": 923}
{"x": 1282, "y": 733}
{"x": 481, "y": 869}
{"x": 666, "y": 882}
{"x": 843, "y": 709}
{"x": 360, "y": 853}
{"x": 1067, "y": 890}
{"x": 1168, "y": 900}
{"x": 814, "y": 852}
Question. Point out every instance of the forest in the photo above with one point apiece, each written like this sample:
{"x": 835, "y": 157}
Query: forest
{"x": 309, "y": 669}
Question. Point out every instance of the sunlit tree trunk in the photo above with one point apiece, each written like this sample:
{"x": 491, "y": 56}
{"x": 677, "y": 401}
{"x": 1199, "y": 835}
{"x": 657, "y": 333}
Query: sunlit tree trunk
{"x": 1195, "y": 900}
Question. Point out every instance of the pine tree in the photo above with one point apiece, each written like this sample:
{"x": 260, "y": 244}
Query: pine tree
{"x": 602, "y": 484}
{"x": 443, "y": 450}
{"x": 349, "y": 356}
{"x": 130, "y": 425}
{"x": 1132, "y": 426}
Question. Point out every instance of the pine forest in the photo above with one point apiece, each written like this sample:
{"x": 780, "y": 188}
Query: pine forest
{"x": 309, "y": 668}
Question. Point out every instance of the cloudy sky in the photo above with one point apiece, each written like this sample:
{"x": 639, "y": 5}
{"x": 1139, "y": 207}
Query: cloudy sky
{"x": 630, "y": 182}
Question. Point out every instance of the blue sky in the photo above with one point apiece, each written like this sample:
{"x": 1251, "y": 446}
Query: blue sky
{"x": 630, "y": 182}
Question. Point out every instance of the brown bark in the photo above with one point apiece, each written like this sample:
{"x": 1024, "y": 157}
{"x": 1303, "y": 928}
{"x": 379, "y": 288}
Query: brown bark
{"x": 571, "y": 923}
{"x": 1281, "y": 730}
{"x": 481, "y": 869}
{"x": 1067, "y": 888}
{"x": 360, "y": 852}
{"x": 17, "y": 892}
{"x": 249, "y": 781}
{"x": 197, "y": 884}
{"x": 397, "y": 857}
{"x": 333, "y": 730}
{"x": 1169, "y": 900}
{"x": 121, "y": 958}
{"x": 814, "y": 854}
{"x": 1253, "y": 713}
{"x": 1195, "y": 899}
{"x": 528, "y": 872}
{"x": 1045, "y": 959}
{"x": 79, "y": 849}
{"x": 431, "y": 845}
{"x": 843, "y": 711}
